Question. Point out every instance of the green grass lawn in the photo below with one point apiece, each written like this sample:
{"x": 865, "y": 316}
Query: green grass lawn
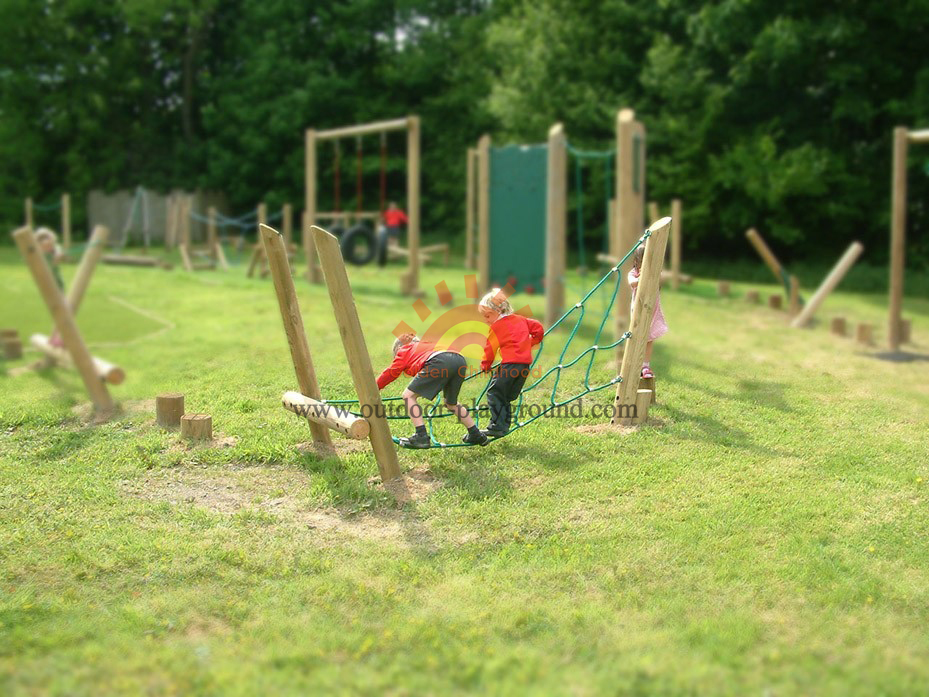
{"x": 765, "y": 534}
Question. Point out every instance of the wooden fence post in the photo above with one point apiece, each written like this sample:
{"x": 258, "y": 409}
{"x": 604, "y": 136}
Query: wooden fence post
{"x": 676, "y": 233}
{"x": 556, "y": 224}
{"x": 29, "y": 219}
{"x": 356, "y": 353}
{"x": 273, "y": 244}
{"x": 469, "y": 209}
{"x": 646, "y": 300}
{"x": 483, "y": 213}
{"x": 66, "y": 221}
{"x": 897, "y": 236}
{"x": 828, "y": 285}
{"x": 766, "y": 254}
{"x": 410, "y": 283}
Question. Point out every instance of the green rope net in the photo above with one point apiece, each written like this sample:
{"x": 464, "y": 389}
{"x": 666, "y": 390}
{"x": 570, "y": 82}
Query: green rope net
{"x": 572, "y": 319}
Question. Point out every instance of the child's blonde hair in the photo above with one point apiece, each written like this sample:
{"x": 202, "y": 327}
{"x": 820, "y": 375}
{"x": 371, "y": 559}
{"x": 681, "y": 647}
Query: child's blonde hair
{"x": 495, "y": 300}
{"x": 44, "y": 233}
{"x": 403, "y": 340}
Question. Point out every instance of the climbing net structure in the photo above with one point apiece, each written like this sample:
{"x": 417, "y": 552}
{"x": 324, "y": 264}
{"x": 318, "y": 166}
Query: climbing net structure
{"x": 548, "y": 378}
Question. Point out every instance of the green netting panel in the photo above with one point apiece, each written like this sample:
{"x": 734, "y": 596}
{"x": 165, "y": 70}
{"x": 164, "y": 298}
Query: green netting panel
{"x": 518, "y": 176}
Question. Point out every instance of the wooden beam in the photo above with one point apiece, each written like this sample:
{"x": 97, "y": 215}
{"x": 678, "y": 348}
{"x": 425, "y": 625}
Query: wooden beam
{"x": 85, "y": 270}
{"x": 364, "y": 129}
{"x": 308, "y": 219}
{"x": 646, "y": 301}
{"x": 765, "y": 253}
{"x": 828, "y": 285}
{"x": 64, "y": 321}
{"x": 630, "y": 198}
{"x": 29, "y": 219}
{"x": 676, "y": 233}
{"x": 410, "y": 284}
{"x": 556, "y": 214}
{"x": 66, "y": 221}
{"x": 273, "y": 244}
{"x": 258, "y": 254}
{"x": 105, "y": 371}
{"x": 356, "y": 352}
{"x": 897, "y": 237}
{"x": 653, "y": 213}
{"x": 313, "y": 273}
{"x": 483, "y": 213}
{"x": 287, "y": 223}
{"x": 795, "y": 305}
{"x": 315, "y": 411}
{"x": 918, "y": 136}
{"x": 469, "y": 208}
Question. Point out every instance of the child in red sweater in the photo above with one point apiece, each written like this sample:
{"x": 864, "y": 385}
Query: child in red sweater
{"x": 435, "y": 369}
{"x": 514, "y": 336}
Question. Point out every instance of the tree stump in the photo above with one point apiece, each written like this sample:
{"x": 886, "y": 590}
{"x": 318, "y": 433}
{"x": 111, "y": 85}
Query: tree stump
{"x": 649, "y": 384}
{"x": 865, "y": 334}
{"x": 775, "y": 302}
{"x": 9, "y": 334}
{"x": 197, "y": 427}
{"x": 838, "y": 326}
{"x": 169, "y": 408}
{"x": 643, "y": 399}
{"x": 722, "y": 289}
{"x": 752, "y": 297}
{"x": 12, "y": 349}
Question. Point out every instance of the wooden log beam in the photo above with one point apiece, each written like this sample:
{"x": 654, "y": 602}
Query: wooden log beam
{"x": 410, "y": 282}
{"x": 828, "y": 285}
{"x": 364, "y": 129}
{"x": 918, "y": 136}
{"x": 85, "y": 270}
{"x": 356, "y": 353}
{"x": 897, "y": 237}
{"x": 64, "y": 321}
{"x": 676, "y": 235}
{"x": 556, "y": 217}
{"x": 470, "y": 213}
{"x": 331, "y": 416}
{"x": 766, "y": 254}
{"x": 66, "y": 221}
{"x": 483, "y": 213}
{"x": 276, "y": 253}
{"x": 105, "y": 371}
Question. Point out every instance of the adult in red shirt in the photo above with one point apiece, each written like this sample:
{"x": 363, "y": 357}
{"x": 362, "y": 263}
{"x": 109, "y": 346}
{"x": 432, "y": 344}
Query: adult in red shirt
{"x": 513, "y": 336}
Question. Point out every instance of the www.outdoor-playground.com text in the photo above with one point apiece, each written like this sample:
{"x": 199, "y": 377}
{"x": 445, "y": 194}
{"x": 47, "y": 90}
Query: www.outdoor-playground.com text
{"x": 397, "y": 410}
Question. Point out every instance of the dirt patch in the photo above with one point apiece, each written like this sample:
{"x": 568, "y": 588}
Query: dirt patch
{"x": 415, "y": 485}
{"x": 220, "y": 440}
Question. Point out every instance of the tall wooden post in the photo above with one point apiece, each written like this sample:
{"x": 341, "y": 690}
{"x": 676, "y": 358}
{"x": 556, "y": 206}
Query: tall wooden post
{"x": 483, "y": 213}
{"x": 469, "y": 209}
{"x": 646, "y": 300}
{"x": 410, "y": 285}
{"x": 556, "y": 211}
{"x": 630, "y": 198}
{"x": 766, "y": 254}
{"x": 356, "y": 353}
{"x": 897, "y": 237}
{"x": 828, "y": 285}
{"x": 276, "y": 254}
{"x": 64, "y": 321}
{"x": 795, "y": 306}
{"x": 66, "y": 221}
{"x": 308, "y": 219}
{"x": 29, "y": 220}
{"x": 287, "y": 223}
{"x": 314, "y": 273}
{"x": 653, "y": 213}
{"x": 676, "y": 233}
{"x": 211, "y": 238}
{"x": 92, "y": 254}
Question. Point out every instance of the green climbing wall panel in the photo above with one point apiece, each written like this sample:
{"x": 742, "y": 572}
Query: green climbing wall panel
{"x": 518, "y": 176}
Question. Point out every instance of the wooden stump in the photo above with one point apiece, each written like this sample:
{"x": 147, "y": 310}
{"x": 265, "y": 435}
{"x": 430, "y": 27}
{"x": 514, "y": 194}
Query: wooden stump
{"x": 838, "y": 326}
{"x": 643, "y": 399}
{"x": 9, "y": 334}
{"x": 775, "y": 302}
{"x": 722, "y": 289}
{"x": 12, "y": 349}
{"x": 865, "y": 333}
{"x": 649, "y": 384}
{"x": 752, "y": 297}
{"x": 906, "y": 329}
{"x": 197, "y": 426}
{"x": 169, "y": 408}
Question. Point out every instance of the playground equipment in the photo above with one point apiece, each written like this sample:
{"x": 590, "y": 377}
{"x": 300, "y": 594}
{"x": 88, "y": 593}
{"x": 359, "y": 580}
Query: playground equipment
{"x": 780, "y": 273}
{"x": 803, "y": 317}
{"x": 673, "y": 275}
{"x": 94, "y": 372}
{"x": 409, "y": 284}
{"x": 902, "y": 137}
{"x": 212, "y": 251}
{"x": 64, "y": 204}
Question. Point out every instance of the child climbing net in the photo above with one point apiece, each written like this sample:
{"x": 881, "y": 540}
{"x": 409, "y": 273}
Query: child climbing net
{"x": 585, "y": 358}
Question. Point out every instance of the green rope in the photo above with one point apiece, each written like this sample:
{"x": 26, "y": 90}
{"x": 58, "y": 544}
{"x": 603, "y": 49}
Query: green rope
{"x": 436, "y": 410}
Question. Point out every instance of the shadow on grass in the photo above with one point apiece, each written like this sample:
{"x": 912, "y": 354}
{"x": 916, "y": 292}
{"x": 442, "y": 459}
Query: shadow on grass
{"x": 719, "y": 433}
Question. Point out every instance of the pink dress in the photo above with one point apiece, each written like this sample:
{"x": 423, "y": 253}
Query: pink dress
{"x": 659, "y": 326}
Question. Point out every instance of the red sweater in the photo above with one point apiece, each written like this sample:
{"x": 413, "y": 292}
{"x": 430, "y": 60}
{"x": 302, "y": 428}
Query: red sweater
{"x": 410, "y": 359}
{"x": 395, "y": 218}
{"x": 514, "y": 336}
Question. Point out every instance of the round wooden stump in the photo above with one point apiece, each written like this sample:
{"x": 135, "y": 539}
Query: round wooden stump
{"x": 752, "y": 297}
{"x": 649, "y": 384}
{"x": 865, "y": 334}
{"x": 9, "y": 334}
{"x": 722, "y": 289}
{"x": 12, "y": 349}
{"x": 906, "y": 331}
{"x": 169, "y": 408}
{"x": 197, "y": 426}
{"x": 838, "y": 326}
{"x": 775, "y": 302}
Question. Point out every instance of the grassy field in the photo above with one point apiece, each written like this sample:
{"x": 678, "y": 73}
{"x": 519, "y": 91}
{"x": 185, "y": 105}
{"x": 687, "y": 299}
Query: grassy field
{"x": 765, "y": 534}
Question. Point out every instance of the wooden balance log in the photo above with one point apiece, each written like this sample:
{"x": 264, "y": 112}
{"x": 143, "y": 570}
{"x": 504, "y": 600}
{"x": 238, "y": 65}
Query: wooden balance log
{"x": 105, "y": 370}
{"x": 330, "y": 416}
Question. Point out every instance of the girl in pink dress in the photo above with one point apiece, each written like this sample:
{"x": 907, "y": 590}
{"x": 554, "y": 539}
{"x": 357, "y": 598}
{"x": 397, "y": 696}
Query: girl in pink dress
{"x": 659, "y": 327}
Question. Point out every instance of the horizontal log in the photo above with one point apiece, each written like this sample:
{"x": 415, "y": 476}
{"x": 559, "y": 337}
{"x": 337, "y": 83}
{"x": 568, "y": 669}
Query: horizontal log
{"x": 127, "y": 260}
{"x": 328, "y": 415}
{"x": 106, "y": 371}
{"x": 918, "y": 136}
{"x": 364, "y": 129}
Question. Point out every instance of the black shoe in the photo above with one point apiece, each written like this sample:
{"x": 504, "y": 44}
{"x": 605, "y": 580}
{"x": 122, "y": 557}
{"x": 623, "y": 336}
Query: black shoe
{"x": 417, "y": 441}
{"x": 475, "y": 438}
{"x": 494, "y": 432}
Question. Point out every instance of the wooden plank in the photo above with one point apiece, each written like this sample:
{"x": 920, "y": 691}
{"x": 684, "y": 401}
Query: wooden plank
{"x": 556, "y": 213}
{"x": 411, "y": 283}
{"x": 276, "y": 253}
{"x": 676, "y": 235}
{"x": 828, "y": 285}
{"x": 483, "y": 213}
{"x": 646, "y": 300}
{"x": 897, "y": 237}
{"x": 364, "y": 129}
{"x": 64, "y": 321}
{"x": 470, "y": 213}
{"x": 356, "y": 353}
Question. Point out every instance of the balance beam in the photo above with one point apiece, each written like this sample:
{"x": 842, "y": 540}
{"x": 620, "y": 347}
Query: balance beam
{"x": 766, "y": 254}
{"x": 828, "y": 285}
{"x": 355, "y": 427}
{"x": 105, "y": 370}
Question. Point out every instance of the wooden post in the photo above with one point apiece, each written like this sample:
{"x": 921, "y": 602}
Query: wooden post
{"x": 169, "y": 408}
{"x": 469, "y": 209}
{"x": 653, "y": 213}
{"x": 556, "y": 213}
{"x": 356, "y": 353}
{"x": 85, "y": 270}
{"x": 197, "y": 427}
{"x": 258, "y": 254}
{"x": 29, "y": 220}
{"x": 646, "y": 300}
{"x": 837, "y": 326}
{"x": 313, "y": 273}
{"x": 643, "y": 400}
{"x": 774, "y": 302}
{"x": 308, "y": 219}
{"x": 906, "y": 331}
{"x": 288, "y": 225}
{"x": 483, "y": 213}
{"x": 315, "y": 411}
{"x": 753, "y": 297}
{"x": 411, "y": 283}
{"x": 676, "y": 232}
{"x": 722, "y": 288}
{"x": 64, "y": 321}
{"x": 766, "y": 254}
{"x": 66, "y": 221}
{"x": 829, "y": 283}
{"x": 187, "y": 204}
{"x": 630, "y": 197}
{"x": 170, "y": 221}
{"x": 865, "y": 333}
{"x": 12, "y": 349}
{"x": 293, "y": 323}
{"x": 649, "y": 384}
{"x": 897, "y": 236}
{"x": 106, "y": 371}
{"x": 795, "y": 306}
